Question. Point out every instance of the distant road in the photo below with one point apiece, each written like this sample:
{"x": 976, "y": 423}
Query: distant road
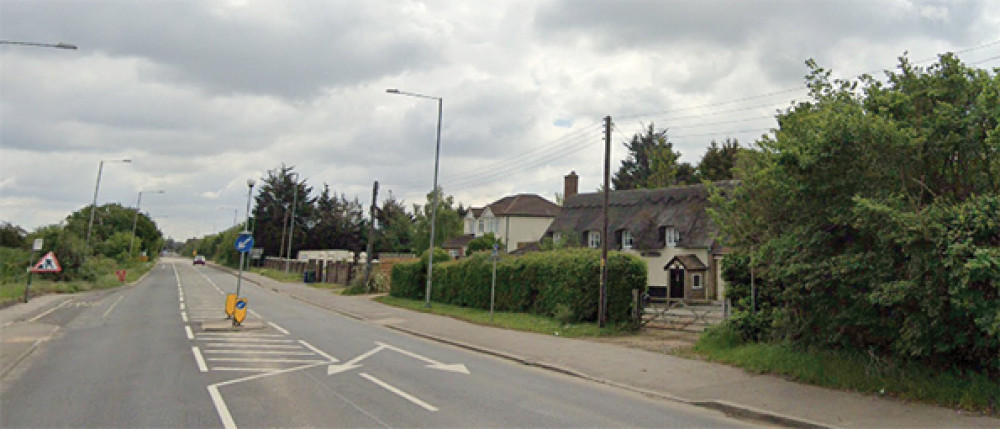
{"x": 138, "y": 357}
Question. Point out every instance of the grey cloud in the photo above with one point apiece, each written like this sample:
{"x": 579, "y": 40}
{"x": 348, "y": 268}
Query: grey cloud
{"x": 254, "y": 51}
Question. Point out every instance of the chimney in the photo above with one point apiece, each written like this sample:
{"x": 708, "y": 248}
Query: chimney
{"x": 571, "y": 186}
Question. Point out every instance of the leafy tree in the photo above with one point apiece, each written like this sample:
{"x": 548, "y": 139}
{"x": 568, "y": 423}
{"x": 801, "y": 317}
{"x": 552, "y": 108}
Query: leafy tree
{"x": 449, "y": 224}
{"x": 718, "y": 161}
{"x": 872, "y": 217}
{"x": 12, "y": 236}
{"x": 394, "y": 230}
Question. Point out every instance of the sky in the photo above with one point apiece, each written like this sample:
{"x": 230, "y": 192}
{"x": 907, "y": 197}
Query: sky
{"x": 204, "y": 95}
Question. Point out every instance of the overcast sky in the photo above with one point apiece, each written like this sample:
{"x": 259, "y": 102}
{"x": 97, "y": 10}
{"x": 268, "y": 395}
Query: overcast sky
{"x": 204, "y": 95}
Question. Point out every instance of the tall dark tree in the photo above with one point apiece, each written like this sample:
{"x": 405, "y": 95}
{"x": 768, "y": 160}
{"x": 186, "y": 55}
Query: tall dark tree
{"x": 651, "y": 162}
{"x": 718, "y": 161}
{"x": 279, "y": 190}
{"x": 395, "y": 227}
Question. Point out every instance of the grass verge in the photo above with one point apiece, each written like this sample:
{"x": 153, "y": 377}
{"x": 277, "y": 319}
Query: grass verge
{"x": 854, "y": 371}
{"x": 278, "y": 275}
{"x": 516, "y": 321}
{"x": 13, "y": 291}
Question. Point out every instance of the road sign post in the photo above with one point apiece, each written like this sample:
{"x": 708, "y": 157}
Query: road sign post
{"x": 244, "y": 244}
{"x": 493, "y": 286}
{"x": 48, "y": 264}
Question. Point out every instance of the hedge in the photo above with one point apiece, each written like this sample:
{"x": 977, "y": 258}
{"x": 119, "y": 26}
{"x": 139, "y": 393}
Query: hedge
{"x": 564, "y": 282}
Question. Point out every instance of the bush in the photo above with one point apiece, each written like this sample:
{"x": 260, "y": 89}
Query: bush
{"x": 563, "y": 283}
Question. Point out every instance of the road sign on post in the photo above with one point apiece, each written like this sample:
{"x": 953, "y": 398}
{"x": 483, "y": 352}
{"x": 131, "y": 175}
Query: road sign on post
{"x": 48, "y": 264}
{"x": 244, "y": 242}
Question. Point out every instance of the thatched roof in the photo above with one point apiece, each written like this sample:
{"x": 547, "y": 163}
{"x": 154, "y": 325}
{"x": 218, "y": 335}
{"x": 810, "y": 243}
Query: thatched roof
{"x": 644, "y": 212}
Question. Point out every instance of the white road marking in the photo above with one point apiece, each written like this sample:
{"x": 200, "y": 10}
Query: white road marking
{"x": 238, "y": 335}
{"x": 211, "y": 282}
{"x": 112, "y": 307}
{"x": 319, "y": 352}
{"x": 278, "y": 328}
{"x": 236, "y": 368}
{"x": 182, "y": 306}
{"x": 262, "y": 360}
{"x": 258, "y": 346}
{"x": 187, "y": 330}
{"x": 253, "y": 341}
{"x": 220, "y": 407}
{"x": 255, "y": 314}
{"x": 63, "y": 304}
{"x": 184, "y": 316}
{"x": 400, "y": 393}
{"x": 260, "y": 352}
{"x": 198, "y": 358}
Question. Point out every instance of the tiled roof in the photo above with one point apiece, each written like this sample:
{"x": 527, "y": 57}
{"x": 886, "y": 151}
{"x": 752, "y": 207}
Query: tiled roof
{"x": 458, "y": 242}
{"x": 523, "y": 205}
{"x": 643, "y": 212}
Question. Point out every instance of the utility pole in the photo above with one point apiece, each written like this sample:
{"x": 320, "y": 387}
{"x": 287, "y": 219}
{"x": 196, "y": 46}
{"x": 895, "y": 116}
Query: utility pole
{"x": 371, "y": 240}
{"x": 291, "y": 221}
{"x": 602, "y": 307}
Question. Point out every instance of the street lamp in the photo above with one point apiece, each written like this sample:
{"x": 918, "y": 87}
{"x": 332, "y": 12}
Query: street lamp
{"x": 246, "y": 230}
{"x": 437, "y": 157}
{"x": 135, "y": 221}
{"x": 42, "y": 45}
{"x": 291, "y": 222}
{"x": 93, "y": 206}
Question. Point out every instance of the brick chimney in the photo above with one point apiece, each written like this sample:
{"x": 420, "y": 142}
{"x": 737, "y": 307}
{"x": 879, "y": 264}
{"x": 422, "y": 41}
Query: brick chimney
{"x": 571, "y": 186}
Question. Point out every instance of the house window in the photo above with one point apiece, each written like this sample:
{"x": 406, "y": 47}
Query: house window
{"x": 594, "y": 239}
{"x": 626, "y": 239}
{"x": 453, "y": 253}
{"x": 556, "y": 237}
{"x": 695, "y": 281}
{"x": 482, "y": 225}
{"x": 469, "y": 227}
{"x": 671, "y": 236}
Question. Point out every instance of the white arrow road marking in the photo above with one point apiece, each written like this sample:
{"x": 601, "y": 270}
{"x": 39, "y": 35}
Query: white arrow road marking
{"x": 398, "y": 392}
{"x": 351, "y": 364}
{"x": 431, "y": 363}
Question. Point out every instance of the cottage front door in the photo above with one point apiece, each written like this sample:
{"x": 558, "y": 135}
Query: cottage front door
{"x": 677, "y": 283}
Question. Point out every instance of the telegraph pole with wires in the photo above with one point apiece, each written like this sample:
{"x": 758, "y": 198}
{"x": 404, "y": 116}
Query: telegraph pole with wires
{"x": 371, "y": 240}
{"x": 602, "y": 306}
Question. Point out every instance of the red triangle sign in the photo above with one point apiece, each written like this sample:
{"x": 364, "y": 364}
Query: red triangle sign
{"x": 48, "y": 264}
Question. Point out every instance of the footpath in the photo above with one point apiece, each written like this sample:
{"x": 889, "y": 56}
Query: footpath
{"x": 764, "y": 398}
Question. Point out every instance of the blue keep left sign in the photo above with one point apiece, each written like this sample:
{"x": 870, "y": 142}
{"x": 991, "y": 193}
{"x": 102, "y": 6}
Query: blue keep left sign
{"x": 241, "y": 304}
{"x": 244, "y": 242}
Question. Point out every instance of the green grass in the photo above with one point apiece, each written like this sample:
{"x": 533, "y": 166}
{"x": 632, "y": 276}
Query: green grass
{"x": 516, "y": 321}
{"x": 854, "y": 371}
{"x": 278, "y": 275}
{"x": 12, "y": 291}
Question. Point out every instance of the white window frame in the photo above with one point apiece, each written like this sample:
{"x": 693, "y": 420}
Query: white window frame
{"x": 672, "y": 236}
{"x": 482, "y": 224}
{"x": 627, "y": 240}
{"x": 556, "y": 237}
{"x": 696, "y": 281}
{"x": 594, "y": 239}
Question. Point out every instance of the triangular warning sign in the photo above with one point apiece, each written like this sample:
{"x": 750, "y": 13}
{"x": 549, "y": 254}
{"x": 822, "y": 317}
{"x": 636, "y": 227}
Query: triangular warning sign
{"x": 48, "y": 264}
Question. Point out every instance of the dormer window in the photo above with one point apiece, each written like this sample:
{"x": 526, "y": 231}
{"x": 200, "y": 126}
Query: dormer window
{"x": 626, "y": 239}
{"x": 594, "y": 239}
{"x": 671, "y": 236}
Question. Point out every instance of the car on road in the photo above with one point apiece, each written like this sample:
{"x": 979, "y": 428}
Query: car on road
{"x": 199, "y": 260}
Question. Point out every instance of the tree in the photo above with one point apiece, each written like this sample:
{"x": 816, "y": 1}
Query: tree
{"x": 651, "y": 162}
{"x": 12, "y": 236}
{"x": 111, "y": 219}
{"x": 394, "y": 230}
{"x": 280, "y": 189}
{"x": 718, "y": 161}
{"x": 872, "y": 217}
{"x": 449, "y": 225}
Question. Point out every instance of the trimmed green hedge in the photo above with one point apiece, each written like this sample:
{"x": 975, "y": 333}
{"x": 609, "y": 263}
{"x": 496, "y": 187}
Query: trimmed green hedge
{"x": 563, "y": 282}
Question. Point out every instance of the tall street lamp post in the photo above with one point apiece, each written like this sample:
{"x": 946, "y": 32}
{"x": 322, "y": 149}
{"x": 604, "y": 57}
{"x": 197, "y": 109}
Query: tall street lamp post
{"x": 246, "y": 230}
{"x": 135, "y": 221}
{"x": 437, "y": 157}
{"x": 41, "y": 45}
{"x": 291, "y": 222}
{"x": 93, "y": 206}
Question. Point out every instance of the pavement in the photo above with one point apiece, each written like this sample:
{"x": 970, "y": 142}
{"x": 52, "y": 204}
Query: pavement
{"x": 763, "y": 398}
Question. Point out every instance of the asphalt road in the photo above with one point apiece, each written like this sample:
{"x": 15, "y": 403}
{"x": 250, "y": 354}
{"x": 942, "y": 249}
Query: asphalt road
{"x": 139, "y": 357}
